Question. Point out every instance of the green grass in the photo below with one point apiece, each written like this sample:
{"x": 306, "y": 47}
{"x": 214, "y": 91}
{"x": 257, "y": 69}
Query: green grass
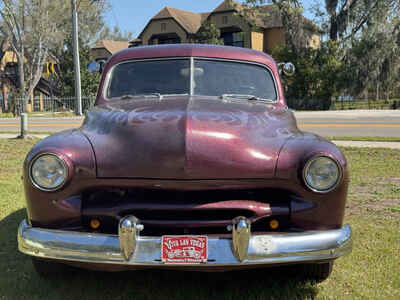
{"x": 365, "y": 138}
{"x": 370, "y": 272}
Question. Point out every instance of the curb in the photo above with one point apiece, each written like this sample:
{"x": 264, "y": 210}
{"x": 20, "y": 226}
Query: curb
{"x": 366, "y": 144}
{"x": 13, "y": 136}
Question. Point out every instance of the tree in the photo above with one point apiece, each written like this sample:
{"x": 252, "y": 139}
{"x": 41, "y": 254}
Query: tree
{"x": 362, "y": 47}
{"x": 290, "y": 13}
{"x": 209, "y": 34}
{"x": 374, "y": 58}
{"x": 319, "y": 75}
{"x": 30, "y": 34}
{"x": 36, "y": 28}
{"x": 3, "y": 42}
{"x": 90, "y": 20}
{"x": 66, "y": 79}
{"x": 318, "y": 71}
{"x": 346, "y": 18}
{"x": 368, "y": 32}
{"x": 114, "y": 34}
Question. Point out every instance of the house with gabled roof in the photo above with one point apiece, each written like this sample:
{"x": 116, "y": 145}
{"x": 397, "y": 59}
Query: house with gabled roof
{"x": 9, "y": 80}
{"x": 105, "y": 48}
{"x": 172, "y": 25}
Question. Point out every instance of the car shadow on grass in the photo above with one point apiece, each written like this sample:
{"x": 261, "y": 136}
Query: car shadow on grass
{"x": 18, "y": 280}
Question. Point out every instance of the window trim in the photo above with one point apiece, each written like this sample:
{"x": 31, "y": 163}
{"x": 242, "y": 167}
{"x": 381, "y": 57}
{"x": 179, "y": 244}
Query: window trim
{"x": 191, "y": 64}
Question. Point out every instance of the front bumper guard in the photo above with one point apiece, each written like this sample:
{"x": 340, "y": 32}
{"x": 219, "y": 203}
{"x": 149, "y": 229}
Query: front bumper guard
{"x": 129, "y": 248}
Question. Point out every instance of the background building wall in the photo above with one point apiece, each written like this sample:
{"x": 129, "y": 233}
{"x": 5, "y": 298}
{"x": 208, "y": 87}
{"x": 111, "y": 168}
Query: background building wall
{"x": 154, "y": 28}
{"x": 228, "y": 21}
{"x": 257, "y": 41}
{"x": 273, "y": 37}
{"x": 9, "y": 56}
{"x": 100, "y": 53}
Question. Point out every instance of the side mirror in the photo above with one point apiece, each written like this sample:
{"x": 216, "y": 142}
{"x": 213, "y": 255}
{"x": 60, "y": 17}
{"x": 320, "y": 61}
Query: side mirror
{"x": 96, "y": 66}
{"x": 288, "y": 68}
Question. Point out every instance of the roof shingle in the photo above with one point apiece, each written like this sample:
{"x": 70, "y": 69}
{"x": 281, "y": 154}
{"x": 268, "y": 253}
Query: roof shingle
{"x": 190, "y": 21}
{"x": 228, "y": 5}
{"x": 111, "y": 46}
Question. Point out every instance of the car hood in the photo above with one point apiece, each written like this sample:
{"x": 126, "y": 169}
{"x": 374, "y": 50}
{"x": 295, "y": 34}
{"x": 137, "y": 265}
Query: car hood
{"x": 188, "y": 137}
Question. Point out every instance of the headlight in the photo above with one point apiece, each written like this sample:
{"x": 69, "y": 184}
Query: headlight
{"x": 322, "y": 174}
{"x": 48, "y": 172}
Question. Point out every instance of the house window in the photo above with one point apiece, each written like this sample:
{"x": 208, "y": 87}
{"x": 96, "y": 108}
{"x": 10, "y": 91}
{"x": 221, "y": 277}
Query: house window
{"x": 165, "y": 38}
{"x": 175, "y": 40}
{"x": 163, "y": 26}
{"x": 233, "y": 38}
{"x": 225, "y": 20}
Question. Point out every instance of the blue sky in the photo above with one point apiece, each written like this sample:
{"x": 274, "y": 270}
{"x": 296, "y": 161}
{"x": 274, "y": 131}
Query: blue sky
{"x": 133, "y": 15}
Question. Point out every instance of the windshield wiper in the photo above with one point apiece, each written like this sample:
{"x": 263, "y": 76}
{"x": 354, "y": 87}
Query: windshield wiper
{"x": 160, "y": 96}
{"x": 129, "y": 96}
{"x": 245, "y": 96}
{"x": 171, "y": 95}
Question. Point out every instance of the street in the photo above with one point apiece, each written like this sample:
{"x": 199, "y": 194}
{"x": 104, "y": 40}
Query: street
{"x": 40, "y": 124}
{"x": 384, "y": 123}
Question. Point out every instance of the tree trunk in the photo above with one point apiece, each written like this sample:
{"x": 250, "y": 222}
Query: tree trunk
{"x": 21, "y": 82}
{"x": 377, "y": 91}
{"x": 333, "y": 33}
{"x": 4, "y": 92}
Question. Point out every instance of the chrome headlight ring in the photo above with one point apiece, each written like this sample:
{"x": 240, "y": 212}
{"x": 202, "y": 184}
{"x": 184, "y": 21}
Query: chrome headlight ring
{"x": 334, "y": 180}
{"x": 62, "y": 172}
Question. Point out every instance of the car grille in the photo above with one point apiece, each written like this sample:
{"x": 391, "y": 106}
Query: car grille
{"x": 185, "y": 212}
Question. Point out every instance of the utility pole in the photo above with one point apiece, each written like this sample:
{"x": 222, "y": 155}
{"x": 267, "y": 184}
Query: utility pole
{"x": 78, "y": 95}
{"x": 24, "y": 115}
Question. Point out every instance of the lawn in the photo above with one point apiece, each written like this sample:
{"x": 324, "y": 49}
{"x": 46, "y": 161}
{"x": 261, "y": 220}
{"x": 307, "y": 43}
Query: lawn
{"x": 370, "y": 272}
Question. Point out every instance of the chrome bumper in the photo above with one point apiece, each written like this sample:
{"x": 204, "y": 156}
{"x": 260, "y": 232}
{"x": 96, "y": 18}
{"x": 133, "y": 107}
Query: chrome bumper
{"x": 146, "y": 251}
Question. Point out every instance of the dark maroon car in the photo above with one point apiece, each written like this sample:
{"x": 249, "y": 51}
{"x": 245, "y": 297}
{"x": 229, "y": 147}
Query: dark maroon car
{"x": 189, "y": 160}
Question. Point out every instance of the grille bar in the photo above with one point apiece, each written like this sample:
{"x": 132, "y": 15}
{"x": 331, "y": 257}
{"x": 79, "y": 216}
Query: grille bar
{"x": 168, "y": 211}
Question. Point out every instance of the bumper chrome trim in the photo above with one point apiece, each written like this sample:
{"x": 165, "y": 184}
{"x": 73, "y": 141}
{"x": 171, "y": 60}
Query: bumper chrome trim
{"x": 128, "y": 233}
{"x": 263, "y": 249}
{"x": 241, "y": 235}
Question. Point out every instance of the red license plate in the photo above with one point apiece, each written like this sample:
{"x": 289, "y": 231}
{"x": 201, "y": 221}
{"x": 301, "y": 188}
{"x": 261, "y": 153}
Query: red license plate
{"x": 184, "y": 249}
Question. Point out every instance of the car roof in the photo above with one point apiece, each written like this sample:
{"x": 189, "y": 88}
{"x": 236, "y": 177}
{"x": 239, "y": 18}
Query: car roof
{"x": 195, "y": 50}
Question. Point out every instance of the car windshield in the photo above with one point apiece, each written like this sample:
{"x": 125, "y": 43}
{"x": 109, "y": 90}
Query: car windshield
{"x": 204, "y": 77}
{"x": 233, "y": 78}
{"x": 149, "y": 77}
